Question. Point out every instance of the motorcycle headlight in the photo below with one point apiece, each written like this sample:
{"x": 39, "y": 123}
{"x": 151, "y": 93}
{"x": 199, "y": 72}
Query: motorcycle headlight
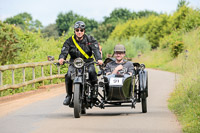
{"x": 78, "y": 62}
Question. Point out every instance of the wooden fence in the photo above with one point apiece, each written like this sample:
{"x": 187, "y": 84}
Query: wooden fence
{"x": 34, "y": 80}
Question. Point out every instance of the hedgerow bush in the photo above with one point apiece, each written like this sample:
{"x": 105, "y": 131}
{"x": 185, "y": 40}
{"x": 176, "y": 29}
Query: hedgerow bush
{"x": 157, "y": 27}
{"x": 19, "y": 46}
{"x": 134, "y": 46}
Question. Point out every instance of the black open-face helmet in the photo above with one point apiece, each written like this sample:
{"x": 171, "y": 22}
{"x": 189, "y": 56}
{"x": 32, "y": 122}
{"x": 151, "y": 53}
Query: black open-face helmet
{"x": 79, "y": 24}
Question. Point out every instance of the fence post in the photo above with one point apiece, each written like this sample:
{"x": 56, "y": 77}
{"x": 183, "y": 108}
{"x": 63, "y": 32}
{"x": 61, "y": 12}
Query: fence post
{"x": 51, "y": 72}
{"x": 24, "y": 75}
{"x": 58, "y": 70}
{"x": 1, "y": 81}
{"x": 13, "y": 76}
{"x": 33, "y": 85}
{"x": 42, "y": 73}
{"x": 1, "y": 78}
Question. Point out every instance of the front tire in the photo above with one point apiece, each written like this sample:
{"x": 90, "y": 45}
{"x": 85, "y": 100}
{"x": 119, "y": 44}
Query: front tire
{"x": 144, "y": 105}
{"x": 77, "y": 101}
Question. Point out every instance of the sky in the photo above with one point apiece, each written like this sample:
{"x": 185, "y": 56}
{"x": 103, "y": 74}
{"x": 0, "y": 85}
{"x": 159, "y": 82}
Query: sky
{"x": 47, "y": 11}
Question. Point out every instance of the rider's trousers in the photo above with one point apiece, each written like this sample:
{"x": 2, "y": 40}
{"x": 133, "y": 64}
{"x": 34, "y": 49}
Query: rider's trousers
{"x": 68, "y": 80}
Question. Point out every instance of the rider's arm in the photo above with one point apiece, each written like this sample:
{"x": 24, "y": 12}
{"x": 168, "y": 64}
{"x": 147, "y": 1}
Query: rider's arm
{"x": 95, "y": 48}
{"x": 65, "y": 50}
{"x": 108, "y": 69}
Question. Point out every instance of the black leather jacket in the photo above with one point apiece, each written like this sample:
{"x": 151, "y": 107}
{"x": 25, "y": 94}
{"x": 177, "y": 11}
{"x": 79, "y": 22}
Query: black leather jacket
{"x": 88, "y": 44}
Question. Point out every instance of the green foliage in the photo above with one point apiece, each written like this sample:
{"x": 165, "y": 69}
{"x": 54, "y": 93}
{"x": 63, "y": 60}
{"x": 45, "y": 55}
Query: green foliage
{"x": 19, "y": 46}
{"x": 65, "y": 21}
{"x": 118, "y": 15}
{"x": 192, "y": 20}
{"x": 134, "y": 46}
{"x": 173, "y": 42}
{"x": 156, "y": 27}
{"x": 50, "y": 31}
{"x": 102, "y": 32}
{"x": 171, "y": 39}
{"x": 177, "y": 48}
{"x": 182, "y": 3}
{"x": 9, "y": 44}
{"x": 35, "y": 25}
{"x": 185, "y": 100}
{"x": 146, "y": 13}
{"x": 178, "y": 17}
{"x": 25, "y": 21}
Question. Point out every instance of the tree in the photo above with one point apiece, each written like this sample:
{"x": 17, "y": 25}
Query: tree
{"x": 65, "y": 21}
{"x": 102, "y": 32}
{"x": 9, "y": 44}
{"x": 37, "y": 24}
{"x": 24, "y": 21}
{"x": 50, "y": 31}
{"x": 182, "y": 3}
{"x": 146, "y": 13}
{"x": 118, "y": 15}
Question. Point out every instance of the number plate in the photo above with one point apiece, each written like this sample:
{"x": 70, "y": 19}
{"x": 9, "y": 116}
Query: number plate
{"x": 116, "y": 81}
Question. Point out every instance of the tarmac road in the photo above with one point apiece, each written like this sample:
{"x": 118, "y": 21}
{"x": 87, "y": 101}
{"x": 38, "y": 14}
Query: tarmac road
{"x": 44, "y": 113}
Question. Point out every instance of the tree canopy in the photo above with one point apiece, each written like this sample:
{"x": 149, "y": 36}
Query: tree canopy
{"x": 25, "y": 21}
{"x": 66, "y": 20}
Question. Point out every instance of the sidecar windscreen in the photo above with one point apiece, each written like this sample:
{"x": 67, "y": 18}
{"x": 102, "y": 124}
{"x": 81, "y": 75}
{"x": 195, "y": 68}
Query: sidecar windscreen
{"x": 135, "y": 64}
{"x": 107, "y": 60}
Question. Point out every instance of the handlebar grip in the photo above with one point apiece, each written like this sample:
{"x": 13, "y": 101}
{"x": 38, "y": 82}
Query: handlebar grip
{"x": 58, "y": 64}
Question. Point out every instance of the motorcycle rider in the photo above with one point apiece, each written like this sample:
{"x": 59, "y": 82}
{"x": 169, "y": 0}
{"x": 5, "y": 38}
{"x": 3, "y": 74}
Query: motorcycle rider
{"x": 119, "y": 64}
{"x": 79, "y": 45}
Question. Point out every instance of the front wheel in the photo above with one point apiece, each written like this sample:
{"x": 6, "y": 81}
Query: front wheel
{"x": 77, "y": 101}
{"x": 144, "y": 105}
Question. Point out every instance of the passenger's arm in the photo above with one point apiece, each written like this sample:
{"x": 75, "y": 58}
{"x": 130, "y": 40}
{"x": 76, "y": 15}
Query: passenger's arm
{"x": 130, "y": 69}
{"x": 117, "y": 69}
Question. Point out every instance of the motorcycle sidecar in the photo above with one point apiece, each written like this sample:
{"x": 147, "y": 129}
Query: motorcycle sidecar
{"x": 125, "y": 90}
{"x": 119, "y": 87}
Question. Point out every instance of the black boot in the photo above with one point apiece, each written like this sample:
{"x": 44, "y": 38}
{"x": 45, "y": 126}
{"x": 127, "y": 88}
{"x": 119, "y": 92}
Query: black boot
{"x": 94, "y": 89}
{"x": 67, "y": 100}
{"x": 68, "y": 85}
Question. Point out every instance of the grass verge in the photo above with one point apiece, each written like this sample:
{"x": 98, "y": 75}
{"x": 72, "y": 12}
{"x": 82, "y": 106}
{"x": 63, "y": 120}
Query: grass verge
{"x": 185, "y": 100}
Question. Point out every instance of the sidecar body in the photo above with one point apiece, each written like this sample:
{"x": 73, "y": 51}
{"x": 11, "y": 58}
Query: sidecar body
{"x": 119, "y": 87}
{"x": 122, "y": 89}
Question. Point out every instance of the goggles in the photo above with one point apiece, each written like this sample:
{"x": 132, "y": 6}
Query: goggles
{"x": 82, "y": 26}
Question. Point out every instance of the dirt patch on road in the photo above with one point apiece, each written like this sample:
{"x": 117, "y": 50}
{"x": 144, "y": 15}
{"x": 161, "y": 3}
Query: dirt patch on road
{"x": 14, "y": 102}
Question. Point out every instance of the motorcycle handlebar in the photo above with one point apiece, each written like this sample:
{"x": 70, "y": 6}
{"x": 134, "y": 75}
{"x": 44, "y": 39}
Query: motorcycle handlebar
{"x": 68, "y": 62}
{"x": 65, "y": 61}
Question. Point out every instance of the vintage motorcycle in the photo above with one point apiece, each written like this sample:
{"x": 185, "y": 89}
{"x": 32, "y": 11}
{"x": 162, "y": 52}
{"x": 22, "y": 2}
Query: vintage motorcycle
{"x": 117, "y": 90}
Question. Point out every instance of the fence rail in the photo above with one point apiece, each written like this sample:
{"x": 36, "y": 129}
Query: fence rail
{"x": 33, "y": 81}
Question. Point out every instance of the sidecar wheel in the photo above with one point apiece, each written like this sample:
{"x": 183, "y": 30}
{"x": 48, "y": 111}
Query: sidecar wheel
{"x": 77, "y": 101}
{"x": 144, "y": 105}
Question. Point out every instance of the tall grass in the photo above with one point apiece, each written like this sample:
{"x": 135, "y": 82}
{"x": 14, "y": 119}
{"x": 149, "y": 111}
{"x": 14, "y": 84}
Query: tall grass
{"x": 185, "y": 100}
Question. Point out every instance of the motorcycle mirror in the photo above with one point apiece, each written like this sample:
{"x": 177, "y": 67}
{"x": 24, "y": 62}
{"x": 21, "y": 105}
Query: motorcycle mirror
{"x": 50, "y": 58}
